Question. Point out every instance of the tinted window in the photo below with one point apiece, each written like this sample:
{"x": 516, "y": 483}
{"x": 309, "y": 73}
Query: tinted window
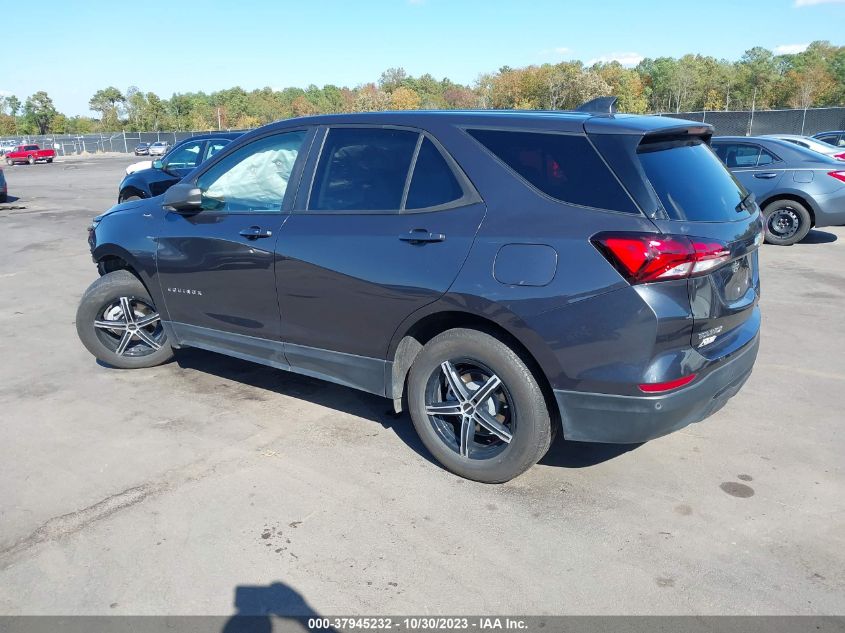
{"x": 31, "y": 147}
{"x": 738, "y": 155}
{"x": 363, "y": 169}
{"x": 184, "y": 157}
{"x": 691, "y": 182}
{"x": 214, "y": 147}
{"x": 564, "y": 167}
{"x": 433, "y": 182}
{"x": 765, "y": 158}
{"x": 253, "y": 178}
{"x": 830, "y": 139}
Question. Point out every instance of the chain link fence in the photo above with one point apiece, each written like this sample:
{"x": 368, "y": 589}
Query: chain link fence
{"x": 737, "y": 122}
{"x": 123, "y": 142}
{"x": 752, "y": 123}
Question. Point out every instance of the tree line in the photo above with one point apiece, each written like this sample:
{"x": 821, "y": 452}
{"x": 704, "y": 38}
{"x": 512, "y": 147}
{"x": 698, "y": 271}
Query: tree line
{"x": 760, "y": 79}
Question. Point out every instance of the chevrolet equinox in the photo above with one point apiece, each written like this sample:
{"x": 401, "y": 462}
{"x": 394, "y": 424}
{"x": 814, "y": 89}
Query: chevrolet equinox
{"x": 500, "y": 274}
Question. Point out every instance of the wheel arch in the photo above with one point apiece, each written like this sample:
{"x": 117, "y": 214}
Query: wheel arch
{"x": 131, "y": 190}
{"x": 414, "y": 336}
{"x": 795, "y": 196}
{"x": 110, "y": 257}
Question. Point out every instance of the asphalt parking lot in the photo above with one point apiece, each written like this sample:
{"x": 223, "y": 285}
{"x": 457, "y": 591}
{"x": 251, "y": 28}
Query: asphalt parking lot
{"x": 210, "y": 485}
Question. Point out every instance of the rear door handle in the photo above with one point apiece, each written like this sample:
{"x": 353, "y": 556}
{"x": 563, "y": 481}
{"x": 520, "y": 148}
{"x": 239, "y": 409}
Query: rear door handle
{"x": 768, "y": 174}
{"x": 421, "y": 236}
{"x": 254, "y": 232}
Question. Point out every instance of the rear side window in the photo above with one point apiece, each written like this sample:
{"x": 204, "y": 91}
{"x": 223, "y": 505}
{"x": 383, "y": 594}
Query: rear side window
{"x": 690, "y": 181}
{"x": 738, "y": 155}
{"x": 433, "y": 182}
{"x": 362, "y": 169}
{"x": 565, "y": 167}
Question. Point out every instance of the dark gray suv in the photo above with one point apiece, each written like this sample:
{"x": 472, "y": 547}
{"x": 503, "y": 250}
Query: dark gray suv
{"x": 500, "y": 274}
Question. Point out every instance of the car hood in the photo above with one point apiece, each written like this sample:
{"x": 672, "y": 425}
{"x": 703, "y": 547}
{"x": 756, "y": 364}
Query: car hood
{"x": 121, "y": 208}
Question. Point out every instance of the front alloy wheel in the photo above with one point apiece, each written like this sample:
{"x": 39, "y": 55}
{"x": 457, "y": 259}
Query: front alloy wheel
{"x": 118, "y": 322}
{"x": 130, "y": 327}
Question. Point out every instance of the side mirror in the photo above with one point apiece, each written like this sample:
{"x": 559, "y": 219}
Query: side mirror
{"x": 157, "y": 164}
{"x": 183, "y": 197}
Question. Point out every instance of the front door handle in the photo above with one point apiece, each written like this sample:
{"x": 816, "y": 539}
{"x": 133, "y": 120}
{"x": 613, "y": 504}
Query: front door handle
{"x": 766, "y": 175}
{"x": 421, "y": 236}
{"x": 254, "y": 232}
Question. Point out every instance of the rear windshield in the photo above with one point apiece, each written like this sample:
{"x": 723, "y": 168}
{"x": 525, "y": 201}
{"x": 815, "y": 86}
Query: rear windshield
{"x": 691, "y": 181}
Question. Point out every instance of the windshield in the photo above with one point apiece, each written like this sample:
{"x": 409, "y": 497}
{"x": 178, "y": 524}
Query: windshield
{"x": 691, "y": 182}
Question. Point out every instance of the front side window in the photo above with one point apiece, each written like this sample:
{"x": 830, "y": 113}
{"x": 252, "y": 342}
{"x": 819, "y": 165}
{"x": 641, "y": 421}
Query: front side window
{"x": 184, "y": 157}
{"x": 830, "y": 139}
{"x": 253, "y": 178}
{"x": 563, "y": 166}
{"x": 362, "y": 169}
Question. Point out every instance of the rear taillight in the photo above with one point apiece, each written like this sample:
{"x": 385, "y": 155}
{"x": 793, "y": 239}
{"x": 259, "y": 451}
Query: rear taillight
{"x": 645, "y": 257}
{"x": 839, "y": 175}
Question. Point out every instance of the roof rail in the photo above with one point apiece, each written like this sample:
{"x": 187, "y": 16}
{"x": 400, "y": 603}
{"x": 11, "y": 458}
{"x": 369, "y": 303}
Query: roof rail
{"x": 599, "y": 105}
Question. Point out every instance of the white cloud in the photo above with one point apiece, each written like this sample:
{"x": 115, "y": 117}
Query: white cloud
{"x": 790, "y": 49}
{"x": 810, "y": 3}
{"x": 416, "y": 1}
{"x": 626, "y": 59}
{"x": 562, "y": 50}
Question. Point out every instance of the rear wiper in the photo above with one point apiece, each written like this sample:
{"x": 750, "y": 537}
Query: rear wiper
{"x": 746, "y": 203}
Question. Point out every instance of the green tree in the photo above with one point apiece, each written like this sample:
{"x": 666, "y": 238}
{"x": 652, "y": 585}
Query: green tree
{"x": 106, "y": 102}
{"x": 14, "y": 105}
{"x": 38, "y": 112}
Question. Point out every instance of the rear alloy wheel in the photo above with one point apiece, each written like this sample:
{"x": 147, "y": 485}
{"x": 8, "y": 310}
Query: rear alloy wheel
{"x": 477, "y": 407}
{"x": 787, "y": 222}
{"x": 31, "y": 160}
{"x": 119, "y": 324}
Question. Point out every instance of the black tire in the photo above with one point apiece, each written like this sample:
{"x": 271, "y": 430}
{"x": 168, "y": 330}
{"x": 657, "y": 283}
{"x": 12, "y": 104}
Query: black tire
{"x": 786, "y": 222}
{"x": 49, "y": 160}
{"x": 31, "y": 160}
{"x": 102, "y": 303}
{"x": 3, "y": 198}
{"x": 518, "y": 405}
{"x": 10, "y": 162}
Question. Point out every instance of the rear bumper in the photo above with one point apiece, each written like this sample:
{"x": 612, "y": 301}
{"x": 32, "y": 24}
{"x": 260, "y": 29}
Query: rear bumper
{"x": 613, "y": 419}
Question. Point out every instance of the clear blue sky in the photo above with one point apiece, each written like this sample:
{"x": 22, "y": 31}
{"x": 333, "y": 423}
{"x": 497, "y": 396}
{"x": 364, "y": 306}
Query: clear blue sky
{"x": 169, "y": 46}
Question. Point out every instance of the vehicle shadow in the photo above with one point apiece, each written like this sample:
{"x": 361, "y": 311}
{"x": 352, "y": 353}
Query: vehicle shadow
{"x": 815, "y": 236}
{"x": 326, "y": 394}
{"x": 562, "y": 454}
{"x": 257, "y": 606}
{"x": 10, "y": 199}
{"x": 566, "y": 454}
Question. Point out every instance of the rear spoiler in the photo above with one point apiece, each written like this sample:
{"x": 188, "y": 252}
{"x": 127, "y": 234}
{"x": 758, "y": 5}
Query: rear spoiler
{"x": 599, "y": 105}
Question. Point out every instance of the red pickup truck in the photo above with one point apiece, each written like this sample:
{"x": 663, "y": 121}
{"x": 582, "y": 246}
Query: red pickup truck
{"x": 30, "y": 154}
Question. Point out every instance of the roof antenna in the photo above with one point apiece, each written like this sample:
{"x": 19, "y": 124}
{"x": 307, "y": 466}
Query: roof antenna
{"x": 599, "y": 105}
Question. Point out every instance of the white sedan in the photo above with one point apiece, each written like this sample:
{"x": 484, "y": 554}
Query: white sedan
{"x": 811, "y": 143}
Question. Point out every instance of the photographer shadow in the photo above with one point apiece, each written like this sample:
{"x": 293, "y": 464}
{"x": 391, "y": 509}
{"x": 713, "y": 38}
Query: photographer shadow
{"x": 259, "y": 606}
